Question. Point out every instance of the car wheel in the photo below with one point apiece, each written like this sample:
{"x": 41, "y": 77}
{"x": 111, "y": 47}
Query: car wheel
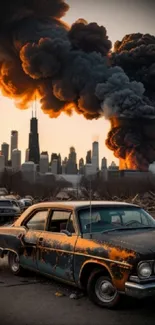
{"x": 101, "y": 290}
{"x": 14, "y": 264}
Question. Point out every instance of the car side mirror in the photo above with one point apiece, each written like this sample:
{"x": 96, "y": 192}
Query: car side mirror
{"x": 66, "y": 232}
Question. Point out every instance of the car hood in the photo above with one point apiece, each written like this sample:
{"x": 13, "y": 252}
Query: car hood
{"x": 141, "y": 241}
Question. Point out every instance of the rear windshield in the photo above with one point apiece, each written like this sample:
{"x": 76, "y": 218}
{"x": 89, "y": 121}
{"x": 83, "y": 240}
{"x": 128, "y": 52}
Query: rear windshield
{"x": 27, "y": 203}
{"x": 5, "y": 203}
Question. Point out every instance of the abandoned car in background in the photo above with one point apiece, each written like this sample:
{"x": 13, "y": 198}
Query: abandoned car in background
{"x": 105, "y": 248}
{"x": 9, "y": 210}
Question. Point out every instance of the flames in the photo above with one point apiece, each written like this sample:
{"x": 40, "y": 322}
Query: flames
{"x": 133, "y": 142}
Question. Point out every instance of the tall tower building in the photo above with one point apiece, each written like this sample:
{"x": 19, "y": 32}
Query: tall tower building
{"x": 2, "y": 162}
{"x": 34, "y": 151}
{"x": 95, "y": 155}
{"x": 5, "y": 152}
{"x": 88, "y": 157}
{"x": 54, "y": 166}
{"x": 55, "y": 157}
{"x": 104, "y": 169}
{"x": 71, "y": 164}
{"x": 81, "y": 166}
{"x": 103, "y": 163}
{"x": 64, "y": 165}
{"x": 27, "y": 155}
{"x": 29, "y": 171}
{"x": 16, "y": 159}
{"x": 14, "y": 141}
{"x": 44, "y": 164}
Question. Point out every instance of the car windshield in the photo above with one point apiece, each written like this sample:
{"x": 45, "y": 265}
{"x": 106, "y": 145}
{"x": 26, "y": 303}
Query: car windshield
{"x": 109, "y": 218}
{"x": 5, "y": 203}
{"x": 27, "y": 203}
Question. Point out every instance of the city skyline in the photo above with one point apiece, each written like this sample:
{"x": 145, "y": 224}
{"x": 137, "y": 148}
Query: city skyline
{"x": 59, "y": 134}
{"x": 7, "y": 149}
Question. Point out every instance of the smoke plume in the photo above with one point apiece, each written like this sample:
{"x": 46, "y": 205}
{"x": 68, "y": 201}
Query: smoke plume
{"x": 71, "y": 68}
{"x": 134, "y": 141}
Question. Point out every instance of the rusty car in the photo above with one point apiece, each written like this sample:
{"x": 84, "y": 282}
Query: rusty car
{"x": 105, "y": 248}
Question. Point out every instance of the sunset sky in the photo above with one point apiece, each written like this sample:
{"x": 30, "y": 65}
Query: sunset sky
{"x": 120, "y": 17}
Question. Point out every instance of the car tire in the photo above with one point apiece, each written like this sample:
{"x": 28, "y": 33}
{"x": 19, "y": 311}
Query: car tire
{"x": 101, "y": 290}
{"x": 14, "y": 264}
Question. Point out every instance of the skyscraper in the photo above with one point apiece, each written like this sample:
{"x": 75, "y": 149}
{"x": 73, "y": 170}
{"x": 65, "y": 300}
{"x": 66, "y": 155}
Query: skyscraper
{"x": 2, "y": 162}
{"x": 64, "y": 165}
{"x": 5, "y": 152}
{"x": 104, "y": 163}
{"x": 71, "y": 164}
{"x": 34, "y": 152}
{"x": 14, "y": 141}
{"x": 88, "y": 157}
{"x": 16, "y": 159}
{"x": 44, "y": 164}
{"x": 29, "y": 171}
{"x": 81, "y": 166}
{"x": 27, "y": 155}
{"x": 95, "y": 156}
{"x": 56, "y": 157}
{"x": 54, "y": 166}
{"x": 104, "y": 168}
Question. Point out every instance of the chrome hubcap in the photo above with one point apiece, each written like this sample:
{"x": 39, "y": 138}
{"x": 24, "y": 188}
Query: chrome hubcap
{"x": 105, "y": 291}
{"x": 15, "y": 263}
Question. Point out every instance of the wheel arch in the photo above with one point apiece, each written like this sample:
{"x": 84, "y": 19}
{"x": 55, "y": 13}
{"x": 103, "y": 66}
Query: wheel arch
{"x": 88, "y": 267}
{"x": 5, "y": 251}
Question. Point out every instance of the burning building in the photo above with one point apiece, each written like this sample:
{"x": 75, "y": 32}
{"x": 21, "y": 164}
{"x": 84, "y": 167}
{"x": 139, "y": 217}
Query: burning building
{"x": 72, "y": 68}
{"x": 133, "y": 141}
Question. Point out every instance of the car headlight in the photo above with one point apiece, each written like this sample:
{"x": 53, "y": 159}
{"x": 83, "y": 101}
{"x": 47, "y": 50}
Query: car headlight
{"x": 144, "y": 270}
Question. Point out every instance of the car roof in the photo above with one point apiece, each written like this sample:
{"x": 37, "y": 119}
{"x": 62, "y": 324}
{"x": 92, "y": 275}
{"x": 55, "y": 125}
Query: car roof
{"x": 80, "y": 204}
{"x": 6, "y": 199}
{"x": 69, "y": 205}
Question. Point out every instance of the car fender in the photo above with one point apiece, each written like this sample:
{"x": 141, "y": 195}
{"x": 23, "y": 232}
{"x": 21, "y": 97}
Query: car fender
{"x": 97, "y": 262}
{"x": 11, "y": 240}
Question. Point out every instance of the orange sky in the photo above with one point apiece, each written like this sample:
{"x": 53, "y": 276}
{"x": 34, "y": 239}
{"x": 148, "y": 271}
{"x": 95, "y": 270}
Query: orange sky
{"x": 56, "y": 135}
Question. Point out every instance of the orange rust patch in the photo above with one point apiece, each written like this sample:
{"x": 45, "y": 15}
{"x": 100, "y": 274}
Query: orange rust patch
{"x": 120, "y": 283}
{"x": 116, "y": 254}
{"x": 60, "y": 239}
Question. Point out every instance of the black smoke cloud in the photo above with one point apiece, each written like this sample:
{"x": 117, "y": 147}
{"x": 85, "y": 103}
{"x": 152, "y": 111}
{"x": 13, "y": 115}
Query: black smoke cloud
{"x": 71, "y": 68}
{"x": 134, "y": 141}
{"x": 135, "y": 54}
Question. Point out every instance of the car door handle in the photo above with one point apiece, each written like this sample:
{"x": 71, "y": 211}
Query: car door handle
{"x": 40, "y": 240}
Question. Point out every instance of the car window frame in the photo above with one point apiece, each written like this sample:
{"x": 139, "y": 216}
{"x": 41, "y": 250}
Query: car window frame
{"x": 31, "y": 215}
{"x": 64, "y": 210}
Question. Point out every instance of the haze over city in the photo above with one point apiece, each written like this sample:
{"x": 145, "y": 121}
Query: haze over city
{"x": 57, "y": 135}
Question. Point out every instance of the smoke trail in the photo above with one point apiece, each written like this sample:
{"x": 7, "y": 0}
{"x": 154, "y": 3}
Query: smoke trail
{"x": 69, "y": 68}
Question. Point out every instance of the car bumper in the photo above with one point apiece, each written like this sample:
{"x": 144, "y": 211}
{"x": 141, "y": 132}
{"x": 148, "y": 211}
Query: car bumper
{"x": 138, "y": 290}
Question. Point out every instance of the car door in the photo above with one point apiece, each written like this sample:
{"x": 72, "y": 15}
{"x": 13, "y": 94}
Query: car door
{"x": 34, "y": 225}
{"x": 56, "y": 248}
